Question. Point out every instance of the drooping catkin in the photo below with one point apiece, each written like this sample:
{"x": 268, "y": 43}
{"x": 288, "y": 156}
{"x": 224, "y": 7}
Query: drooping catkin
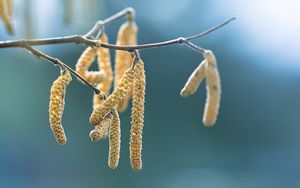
{"x": 127, "y": 35}
{"x": 137, "y": 115}
{"x": 84, "y": 62}
{"x": 5, "y": 11}
{"x": 113, "y": 100}
{"x": 104, "y": 64}
{"x": 194, "y": 80}
{"x": 101, "y": 129}
{"x": 56, "y": 105}
{"x": 114, "y": 141}
{"x": 9, "y": 5}
{"x": 213, "y": 87}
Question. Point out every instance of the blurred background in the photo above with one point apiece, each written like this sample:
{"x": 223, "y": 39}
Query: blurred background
{"x": 255, "y": 142}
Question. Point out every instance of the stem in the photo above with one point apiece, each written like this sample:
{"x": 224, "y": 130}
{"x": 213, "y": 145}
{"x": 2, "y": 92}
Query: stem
{"x": 86, "y": 39}
{"x": 55, "y": 61}
{"x": 127, "y": 11}
{"x": 179, "y": 40}
{"x": 78, "y": 39}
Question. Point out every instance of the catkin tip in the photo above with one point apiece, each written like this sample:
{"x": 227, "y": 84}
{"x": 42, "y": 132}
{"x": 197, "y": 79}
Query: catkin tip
{"x": 94, "y": 135}
{"x": 208, "y": 124}
{"x": 184, "y": 93}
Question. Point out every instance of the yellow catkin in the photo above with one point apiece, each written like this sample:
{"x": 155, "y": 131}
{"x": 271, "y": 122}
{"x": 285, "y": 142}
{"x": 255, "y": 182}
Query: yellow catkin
{"x": 137, "y": 116}
{"x": 4, "y": 15}
{"x": 84, "y": 62}
{"x": 213, "y": 87}
{"x": 98, "y": 99}
{"x": 56, "y": 105}
{"x": 114, "y": 141}
{"x": 112, "y": 100}
{"x": 127, "y": 35}
{"x": 9, "y": 5}
{"x": 105, "y": 66}
{"x": 194, "y": 80}
{"x": 100, "y": 131}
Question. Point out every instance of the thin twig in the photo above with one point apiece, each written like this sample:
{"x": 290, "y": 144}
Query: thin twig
{"x": 99, "y": 26}
{"x": 127, "y": 11}
{"x": 55, "y": 61}
{"x": 212, "y": 29}
{"x": 193, "y": 46}
{"x": 78, "y": 39}
{"x": 178, "y": 40}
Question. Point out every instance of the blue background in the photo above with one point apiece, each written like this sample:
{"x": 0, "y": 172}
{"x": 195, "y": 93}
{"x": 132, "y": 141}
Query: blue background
{"x": 255, "y": 142}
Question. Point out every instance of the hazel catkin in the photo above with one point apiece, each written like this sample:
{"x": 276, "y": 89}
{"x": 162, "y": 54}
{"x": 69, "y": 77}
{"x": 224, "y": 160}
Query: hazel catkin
{"x": 104, "y": 64}
{"x": 194, "y": 80}
{"x": 9, "y": 6}
{"x": 137, "y": 115}
{"x": 56, "y": 105}
{"x": 213, "y": 87}
{"x": 84, "y": 62}
{"x": 113, "y": 100}
{"x": 114, "y": 141}
{"x": 101, "y": 129}
{"x": 5, "y": 14}
{"x": 127, "y": 35}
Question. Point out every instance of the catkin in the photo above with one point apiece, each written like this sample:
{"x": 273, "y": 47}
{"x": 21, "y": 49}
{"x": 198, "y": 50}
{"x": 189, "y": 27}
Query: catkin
{"x": 194, "y": 80}
{"x": 5, "y": 11}
{"x": 213, "y": 87}
{"x": 127, "y": 35}
{"x": 9, "y": 6}
{"x": 56, "y": 105}
{"x": 84, "y": 62}
{"x": 112, "y": 100}
{"x": 105, "y": 66}
{"x": 114, "y": 141}
{"x": 100, "y": 131}
{"x": 98, "y": 98}
{"x": 137, "y": 116}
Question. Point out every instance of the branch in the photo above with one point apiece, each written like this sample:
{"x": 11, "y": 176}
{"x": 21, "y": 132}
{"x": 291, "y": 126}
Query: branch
{"x": 88, "y": 40}
{"x": 129, "y": 12}
{"x": 79, "y": 39}
{"x": 55, "y": 61}
{"x": 179, "y": 40}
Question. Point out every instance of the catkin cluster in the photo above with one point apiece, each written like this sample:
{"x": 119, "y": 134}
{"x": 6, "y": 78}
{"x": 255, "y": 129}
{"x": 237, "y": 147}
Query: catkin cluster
{"x": 127, "y": 35}
{"x": 56, "y": 105}
{"x": 137, "y": 116}
{"x": 129, "y": 82}
{"x": 107, "y": 109}
{"x": 207, "y": 69}
{"x": 113, "y": 100}
{"x": 6, "y": 11}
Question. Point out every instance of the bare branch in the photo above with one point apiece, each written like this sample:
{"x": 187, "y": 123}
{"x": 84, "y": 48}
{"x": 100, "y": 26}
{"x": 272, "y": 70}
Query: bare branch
{"x": 78, "y": 39}
{"x": 98, "y": 27}
{"x": 129, "y": 12}
{"x": 55, "y": 61}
